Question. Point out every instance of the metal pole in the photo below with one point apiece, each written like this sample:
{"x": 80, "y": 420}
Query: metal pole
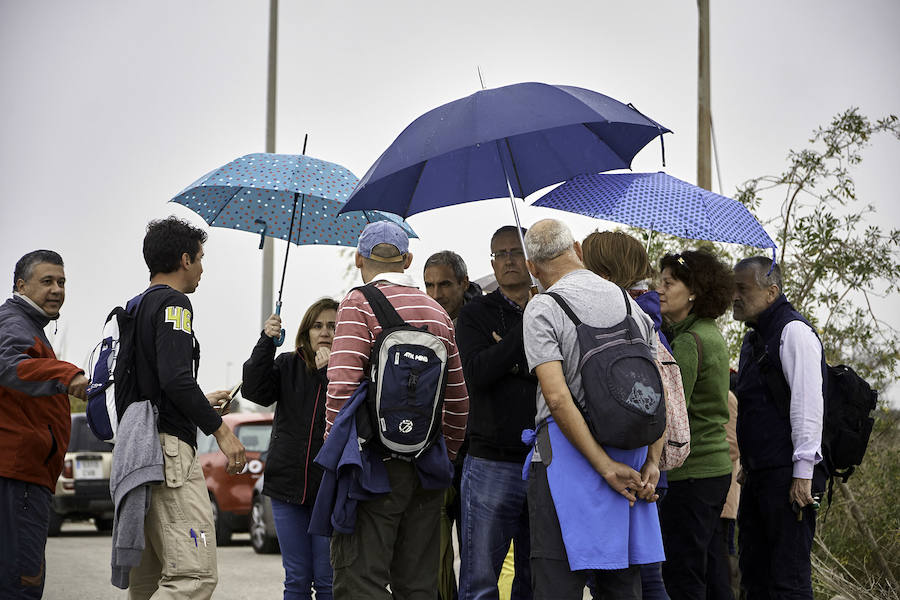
{"x": 268, "y": 261}
{"x": 704, "y": 170}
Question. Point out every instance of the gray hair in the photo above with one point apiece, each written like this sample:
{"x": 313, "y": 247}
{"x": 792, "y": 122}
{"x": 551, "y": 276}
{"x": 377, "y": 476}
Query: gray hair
{"x": 547, "y": 239}
{"x": 763, "y": 272}
{"x": 450, "y": 259}
{"x": 25, "y": 265}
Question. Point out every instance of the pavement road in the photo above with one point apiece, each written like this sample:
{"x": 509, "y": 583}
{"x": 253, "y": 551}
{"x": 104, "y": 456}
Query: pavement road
{"x": 78, "y": 568}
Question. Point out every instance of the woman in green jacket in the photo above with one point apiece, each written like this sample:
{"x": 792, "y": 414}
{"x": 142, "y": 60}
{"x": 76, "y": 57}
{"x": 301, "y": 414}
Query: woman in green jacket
{"x": 695, "y": 288}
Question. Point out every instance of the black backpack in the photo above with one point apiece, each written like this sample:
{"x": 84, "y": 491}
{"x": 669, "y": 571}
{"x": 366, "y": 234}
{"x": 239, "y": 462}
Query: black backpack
{"x": 623, "y": 404}
{"x": 408, "y": 377}
{"x": 847, "y": 418}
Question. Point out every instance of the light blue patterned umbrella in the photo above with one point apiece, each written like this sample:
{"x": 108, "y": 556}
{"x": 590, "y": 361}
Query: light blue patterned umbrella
{"x": 283, "y": 196}
{"x": 256, "y": 193}
{"x": 659, "y": 202}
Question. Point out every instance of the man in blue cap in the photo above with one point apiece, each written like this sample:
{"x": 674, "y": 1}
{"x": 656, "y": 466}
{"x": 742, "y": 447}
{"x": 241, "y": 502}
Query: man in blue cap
{"x": 396, "y": 539}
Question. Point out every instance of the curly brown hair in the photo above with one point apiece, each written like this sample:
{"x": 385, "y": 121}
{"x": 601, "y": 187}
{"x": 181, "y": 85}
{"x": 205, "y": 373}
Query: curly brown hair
{"x": 710, "y": 280}
{"x": 616, "y": 256}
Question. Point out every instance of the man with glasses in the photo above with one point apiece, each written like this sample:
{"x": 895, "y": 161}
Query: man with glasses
{"x": 502, "y": 393}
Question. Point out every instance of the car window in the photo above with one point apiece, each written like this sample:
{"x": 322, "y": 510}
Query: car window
{"x": 255, "y": 436}
{"x": 84, "y": 440}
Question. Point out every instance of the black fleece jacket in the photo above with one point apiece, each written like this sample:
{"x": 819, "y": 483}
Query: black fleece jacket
{"x": 167, "y": 356}
{"x": 501, "y": 389}
{"x": 299, "y": 427}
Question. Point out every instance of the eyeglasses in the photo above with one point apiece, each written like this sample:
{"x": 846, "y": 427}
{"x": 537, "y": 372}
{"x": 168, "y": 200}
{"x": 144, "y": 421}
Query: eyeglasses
{"x": 501, "y": 254}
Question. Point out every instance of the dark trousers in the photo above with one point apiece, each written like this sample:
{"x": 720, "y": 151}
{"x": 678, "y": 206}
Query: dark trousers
{"x": 773, "y": 545}
{"x": 550, "y": 574}
{"x": 396, "y": 542}
{"x": 24, "y": 519}
{"x": 718, "y": 565}
{"x": 688, "y": 518}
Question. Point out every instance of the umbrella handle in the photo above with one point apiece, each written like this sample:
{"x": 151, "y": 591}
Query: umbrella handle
{"x": 262, "y": 233}
{"x": 280, "y": 339}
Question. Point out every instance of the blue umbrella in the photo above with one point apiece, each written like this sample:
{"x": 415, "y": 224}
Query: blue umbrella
{"x": 659, "y": 202}
{"x": 283, "y": 196}
{"x": 512, "y": 140}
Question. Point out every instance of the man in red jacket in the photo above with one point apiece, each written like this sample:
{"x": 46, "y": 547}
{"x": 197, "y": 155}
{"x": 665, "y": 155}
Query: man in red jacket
{"x": 34, "y": 419}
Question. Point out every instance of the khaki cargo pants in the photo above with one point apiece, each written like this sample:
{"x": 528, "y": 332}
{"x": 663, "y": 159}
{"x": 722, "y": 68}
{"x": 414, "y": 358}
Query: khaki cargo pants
{"x": 179, "y": 559}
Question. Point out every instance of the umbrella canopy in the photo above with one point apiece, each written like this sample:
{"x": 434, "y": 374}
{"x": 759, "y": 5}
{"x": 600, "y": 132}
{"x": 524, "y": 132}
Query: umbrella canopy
{"x": 256, "y": 193}
{"x": 512, "y": 140}
{"x": 659, "y": 202}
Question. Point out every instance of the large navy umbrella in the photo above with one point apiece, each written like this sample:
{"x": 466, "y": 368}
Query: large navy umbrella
{"x": 512, "y": 140}
{"x": 659, "y": 202}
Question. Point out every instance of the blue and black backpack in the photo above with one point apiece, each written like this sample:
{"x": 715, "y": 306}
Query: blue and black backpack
{"x": 113, "y": 384}
{"x": 403, "y": 411}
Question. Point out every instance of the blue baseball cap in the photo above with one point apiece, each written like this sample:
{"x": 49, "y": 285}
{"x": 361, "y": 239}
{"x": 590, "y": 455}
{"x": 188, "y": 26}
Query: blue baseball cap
{"x": 383, "y": 232}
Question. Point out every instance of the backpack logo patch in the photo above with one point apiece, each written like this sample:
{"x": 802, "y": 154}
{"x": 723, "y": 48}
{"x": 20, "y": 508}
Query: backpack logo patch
{"x": 644, "y": 398}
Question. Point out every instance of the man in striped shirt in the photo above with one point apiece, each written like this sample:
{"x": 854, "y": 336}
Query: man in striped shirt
{"x": 396, "y": 541}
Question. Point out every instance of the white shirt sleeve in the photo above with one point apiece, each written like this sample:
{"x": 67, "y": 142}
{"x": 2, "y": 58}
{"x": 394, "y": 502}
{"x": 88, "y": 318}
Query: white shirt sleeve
{"x": 801, "y": 362}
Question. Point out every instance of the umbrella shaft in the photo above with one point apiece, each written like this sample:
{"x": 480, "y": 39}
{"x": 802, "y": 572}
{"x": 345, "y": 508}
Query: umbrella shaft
{"x": 512, "y": 202}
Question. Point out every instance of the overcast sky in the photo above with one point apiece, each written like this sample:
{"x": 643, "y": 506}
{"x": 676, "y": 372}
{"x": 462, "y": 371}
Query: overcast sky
{"x": 109, "y": 109}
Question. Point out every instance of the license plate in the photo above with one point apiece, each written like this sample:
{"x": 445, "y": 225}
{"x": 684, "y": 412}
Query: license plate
{"x": 88, "y": 468}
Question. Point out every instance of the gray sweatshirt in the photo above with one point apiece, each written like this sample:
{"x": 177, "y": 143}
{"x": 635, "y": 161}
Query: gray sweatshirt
{"x": 137, "y": 464}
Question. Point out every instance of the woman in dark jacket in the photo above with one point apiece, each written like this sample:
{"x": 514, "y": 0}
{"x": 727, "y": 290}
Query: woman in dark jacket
{"x": 296, "y": 381}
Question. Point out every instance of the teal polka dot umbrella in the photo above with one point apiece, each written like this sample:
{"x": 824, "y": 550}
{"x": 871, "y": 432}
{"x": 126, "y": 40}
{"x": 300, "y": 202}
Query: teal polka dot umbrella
{"x": 290, "y": 197}
{"x": 257, "y": 192}
{"x": 659, "y": 202}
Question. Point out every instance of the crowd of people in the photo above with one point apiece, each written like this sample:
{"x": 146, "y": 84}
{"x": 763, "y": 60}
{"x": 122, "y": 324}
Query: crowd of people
{"x": 515, "y": 466}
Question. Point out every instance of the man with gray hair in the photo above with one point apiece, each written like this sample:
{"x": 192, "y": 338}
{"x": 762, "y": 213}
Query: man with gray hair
{"x": 589, "y": 506}
{"x": 780, "y": 390}
{"x": 447, "y": 281}
{"x": 34, "y": 419}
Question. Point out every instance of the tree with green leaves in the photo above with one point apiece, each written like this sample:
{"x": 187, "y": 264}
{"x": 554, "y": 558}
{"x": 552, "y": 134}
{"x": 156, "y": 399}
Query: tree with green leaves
{"x": 833, "y": 258}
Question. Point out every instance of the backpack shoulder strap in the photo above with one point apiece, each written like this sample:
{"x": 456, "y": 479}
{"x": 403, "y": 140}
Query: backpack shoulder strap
{"x": 627, "y": 303}
{"x": 134, "y": 304}
{"x": 566, "y": 309}
{"x": 699, "y": 348}
{"x": 385, "y": 313}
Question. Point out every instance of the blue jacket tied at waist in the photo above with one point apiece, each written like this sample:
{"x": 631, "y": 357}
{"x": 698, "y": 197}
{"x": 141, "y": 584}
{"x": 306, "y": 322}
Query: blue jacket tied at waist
{"x": 354, "y": 473}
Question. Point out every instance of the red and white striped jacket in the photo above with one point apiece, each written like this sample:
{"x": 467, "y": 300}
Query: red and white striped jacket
{"x": 354, "y": 338}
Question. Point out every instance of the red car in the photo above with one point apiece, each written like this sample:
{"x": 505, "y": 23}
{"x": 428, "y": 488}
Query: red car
{"x": 232, "y": 495}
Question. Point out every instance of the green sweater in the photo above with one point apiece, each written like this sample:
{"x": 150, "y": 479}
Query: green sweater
{"x": 706, "y": 393}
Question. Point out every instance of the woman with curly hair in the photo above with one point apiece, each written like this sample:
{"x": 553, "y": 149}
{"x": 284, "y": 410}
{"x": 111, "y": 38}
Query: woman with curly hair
{"x": 695, "y": 288}
{"x": 297, "y": 382}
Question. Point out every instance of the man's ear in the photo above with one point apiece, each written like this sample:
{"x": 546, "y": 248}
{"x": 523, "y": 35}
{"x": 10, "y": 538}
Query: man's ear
{"x": 20, "y": 285}
{"x": 407, "y": 261}
{"x": 358, "y": 260}
{"x": 578, "y": 252}
{"x": 532, "y": 268}
{"x": 186, "y": 261}
{"x": 465, "y": 282}
{"x": 774, "y": 292}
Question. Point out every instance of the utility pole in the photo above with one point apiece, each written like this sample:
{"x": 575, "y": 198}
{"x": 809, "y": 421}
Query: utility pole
{"x": 268, "y": 262}
{"x": 704, "y": 168}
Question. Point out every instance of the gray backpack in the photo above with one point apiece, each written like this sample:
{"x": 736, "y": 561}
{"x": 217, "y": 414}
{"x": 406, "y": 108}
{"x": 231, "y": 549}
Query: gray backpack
{"x": 623, "y": 402}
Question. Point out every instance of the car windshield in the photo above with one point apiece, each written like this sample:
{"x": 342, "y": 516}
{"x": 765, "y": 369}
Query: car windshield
{"x": 84, "y": 440}
{"x": 255, "y": 436}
